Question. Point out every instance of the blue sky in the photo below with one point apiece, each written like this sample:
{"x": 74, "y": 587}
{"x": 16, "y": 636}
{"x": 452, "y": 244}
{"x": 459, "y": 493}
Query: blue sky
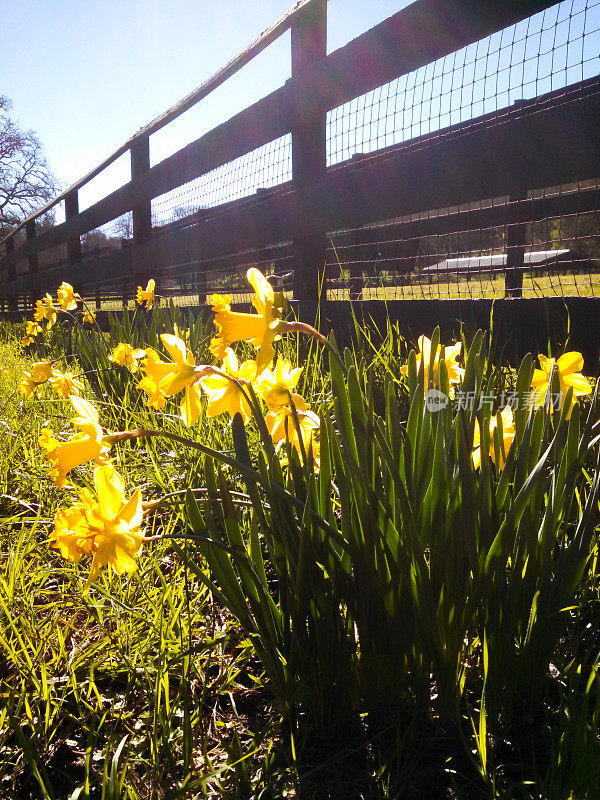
{"x": 86, "y": 74}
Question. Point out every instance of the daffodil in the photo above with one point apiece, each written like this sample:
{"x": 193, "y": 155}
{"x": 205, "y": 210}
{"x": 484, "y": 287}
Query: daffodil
{"x": 508, "y": 434}
{"x": 32, "y": 382}
{"x": 182, "y": 370}
{"x": 127, "y": 356}
{"x": 282, "y": 427}
{"x": 89, "y": 445}
{"x": 65, "y": 383}
{"x": 276, "y": 387}
{"x": 156, "y": 398}
{"x": 67, "y": 299}
{"x": 42, "y": 371}
{"x": 568, "y": 367}
{"x": 32, "y": 330}
{"x": 108, "y": 526}
{"x": 70, "y": 534}
{"x": 168, "y": 378}
{"x": 260, "y": 329}
{"x": 146, "y": 295}
{"x": 44, "y": 309}
{"x": 190, "y": 406}
{"x": 451, "y": 353}
{"x": 29, "y": 387}
{"x": 226, "y": 395}
{"x": 88, "y": 316}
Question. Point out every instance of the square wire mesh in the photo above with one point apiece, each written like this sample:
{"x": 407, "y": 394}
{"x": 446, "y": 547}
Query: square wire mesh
{"x": 550, "y": 50}
{"x": 441, "y": 254}
{"x": 449, "y": 253}
{"x": 266, "y": 167}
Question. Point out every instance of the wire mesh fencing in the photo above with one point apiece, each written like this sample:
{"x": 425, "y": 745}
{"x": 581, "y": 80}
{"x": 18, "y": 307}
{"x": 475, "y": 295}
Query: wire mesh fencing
{"x": 261, "y": 169}
{"x": 434, "y": 253}
{"x": 550, "y": 50}
{"x": 442, "y": 254}
{"x": 462, "y": 251}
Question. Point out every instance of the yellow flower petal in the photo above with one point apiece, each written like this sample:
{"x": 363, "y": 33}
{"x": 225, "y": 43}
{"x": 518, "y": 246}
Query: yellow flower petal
{"x": 570, "y": 362}
{"x": 191, "y": 405}
{"x": 109, "y": 489}
{"x": 581, "y": 386}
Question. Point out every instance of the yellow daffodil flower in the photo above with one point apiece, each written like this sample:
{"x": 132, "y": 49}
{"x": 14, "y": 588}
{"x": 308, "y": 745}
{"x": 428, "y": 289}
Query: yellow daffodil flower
{"x": 224, "y": 394}
{"x": 182, "y": 369}
{"x": 155, "y": 370}
{"x": 451, "y": 353}
{"x": 44, "y": 309}
{"x": 89, "y": 445}
{"x": 190, "y": 406}
{"x": 282, "y": 427}
{"x": 88, "y": 317}
{"x": 65, "y": 383}
{"x": 168, "y": 378}
{"x": 107, "y": 526}
{"x": 260, "y": 329}
{"x": 70, "y": 534}
{"x": 67, "y": 299}
{"x": 32, "y": 383}
{"x": 276, "y": 387}
{"x": 568, "y": 367}
{"x": 280, "y": 419}
{"x": 41, "y": 371}
{"x": 146, "y": 295}
{"x": 39, "y": 313}
{"x": 156, "y": 398}
{"x": 508, "y": 434}
{"x": 127, "y": 356}
{"x": 29, "y": 387}
{"x": 32, "y": 330}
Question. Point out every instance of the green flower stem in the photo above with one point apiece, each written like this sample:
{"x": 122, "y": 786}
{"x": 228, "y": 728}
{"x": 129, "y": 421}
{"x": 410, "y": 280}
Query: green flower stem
{"x": 308, "y": 330}
{"x": 218, "y": 455}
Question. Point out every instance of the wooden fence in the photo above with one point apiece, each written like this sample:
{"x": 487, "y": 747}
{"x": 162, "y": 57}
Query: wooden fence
{"x": 548, "y": 141}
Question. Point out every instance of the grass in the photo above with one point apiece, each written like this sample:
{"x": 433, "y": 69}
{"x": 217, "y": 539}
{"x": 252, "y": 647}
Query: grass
{"x": 147, "y": 687}
{"x": 556, "y": 285}
{"x": 148, "y": 667}
{"x": 564, "y": 285}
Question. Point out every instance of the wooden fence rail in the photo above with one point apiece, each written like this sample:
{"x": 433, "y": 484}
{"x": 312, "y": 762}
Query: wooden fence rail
{"x": 506, "y": 153}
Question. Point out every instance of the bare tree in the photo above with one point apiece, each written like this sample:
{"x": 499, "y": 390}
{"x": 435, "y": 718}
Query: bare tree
{"x": 123, "y": 227}
{"x": 94, "y": 240}
{"x": 25, "y": 178}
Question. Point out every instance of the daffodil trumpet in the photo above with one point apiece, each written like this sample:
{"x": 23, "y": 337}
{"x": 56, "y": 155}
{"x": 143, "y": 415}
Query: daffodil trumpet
{"x": 559, "y": 378}
{"x": 104, "y": 523}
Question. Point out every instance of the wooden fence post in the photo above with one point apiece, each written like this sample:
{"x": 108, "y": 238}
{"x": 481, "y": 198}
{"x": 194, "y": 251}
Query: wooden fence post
{"x": 309, "y": 159}
{"x": 11, "y": 273}
{"x": 142, "y": 213}
{"x": 515, "y": 245}
{"x": 33, "y": 260}
{"x": 72, "y": 210}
